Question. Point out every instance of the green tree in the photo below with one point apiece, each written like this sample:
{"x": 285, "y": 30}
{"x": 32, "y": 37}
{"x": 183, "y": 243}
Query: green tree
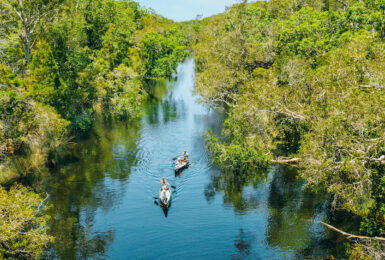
{"x": 14, "y": 109}
{"x": 121, "y": 92}
{"x": 27, "y": 128}
{"x": 46, "y": 85}
{"x": 161, "y": 54}
{"x": 98, "y": 15}
{"x": 31, "y": 14}
{"x": 305, "y": 33}
{"x": 23, "y": 227}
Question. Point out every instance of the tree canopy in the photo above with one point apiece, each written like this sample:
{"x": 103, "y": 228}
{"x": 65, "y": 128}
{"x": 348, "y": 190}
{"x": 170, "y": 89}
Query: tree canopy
{"x": 301, "y": 80}
{"x": 61, "y": 64}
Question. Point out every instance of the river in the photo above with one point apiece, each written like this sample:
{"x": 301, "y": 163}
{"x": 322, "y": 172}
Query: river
{"x": 102, "y": 193}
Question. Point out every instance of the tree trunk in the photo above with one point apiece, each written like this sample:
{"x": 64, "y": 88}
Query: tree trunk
{"x": 382, "y": 32}
{"x": 28, "y": 47}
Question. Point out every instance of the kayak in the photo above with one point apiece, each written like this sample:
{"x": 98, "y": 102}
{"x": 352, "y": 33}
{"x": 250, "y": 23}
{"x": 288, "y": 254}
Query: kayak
{"x": 179, "y": 165}
{"x": 165, "y": 195}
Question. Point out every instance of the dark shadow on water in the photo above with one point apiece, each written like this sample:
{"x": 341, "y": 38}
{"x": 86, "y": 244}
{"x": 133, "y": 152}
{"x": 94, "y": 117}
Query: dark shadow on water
{"x": 166, "y": 209}
{"x": 232, "y": 185}
{"x": 243, "y": 243}
{"x": 88, "y": 176}
{"x": 289, "y": 206}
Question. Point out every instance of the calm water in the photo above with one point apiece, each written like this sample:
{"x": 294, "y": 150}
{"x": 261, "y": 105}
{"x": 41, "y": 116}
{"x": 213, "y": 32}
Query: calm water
{"x": 103, "y": 204}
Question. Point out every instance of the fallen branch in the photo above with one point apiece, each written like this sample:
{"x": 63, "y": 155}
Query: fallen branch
{"x": 348, "y": 235}
{"x": 282, "y": 160}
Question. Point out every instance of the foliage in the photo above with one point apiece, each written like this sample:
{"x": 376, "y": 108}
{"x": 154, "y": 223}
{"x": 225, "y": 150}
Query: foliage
{"x": 374, "y": 222}
{"x": 86, "y": 41}
{"x": 27, "y": 128}
{"x": 61, "y": 62}
{"x": 161, "y": 53}
{"x": 46, "y": 85}
{"x": 23, "y": 120}
{"x": 302, "y": 79}
{"x": 351, "y": 128}
{"x": 235, "y": 156}
{"x": 305, "y": 34}
{"x": 23, "y": 229}
{"x": 30, "y": 14}
{"x": 13, "y": 111}
{"x": 122, "y": 93}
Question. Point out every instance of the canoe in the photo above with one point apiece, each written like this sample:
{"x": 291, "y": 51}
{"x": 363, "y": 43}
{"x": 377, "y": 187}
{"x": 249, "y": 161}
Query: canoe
{"x": 180, "y": 165}
{"x": 165, "y": 196}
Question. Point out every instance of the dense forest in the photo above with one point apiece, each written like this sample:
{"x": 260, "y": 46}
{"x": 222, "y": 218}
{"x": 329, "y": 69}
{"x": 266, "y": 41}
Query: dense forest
{"x": 63, "y": 62}
{"x": 301, "y": 82}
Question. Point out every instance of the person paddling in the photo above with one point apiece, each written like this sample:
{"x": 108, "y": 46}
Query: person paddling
{"x": 184, "y": 157}
{"x": 165, "y": 193}
{"x": 163, "y": 181}
{"x": 165, "y": 184}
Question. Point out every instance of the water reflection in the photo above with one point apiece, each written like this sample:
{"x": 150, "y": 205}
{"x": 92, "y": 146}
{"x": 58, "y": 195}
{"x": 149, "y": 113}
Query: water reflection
{"x": 88, "y": 177}
{"x": 280, "y": 195}
{"x": 235, "y": 187}
{"x": 162, "y": 107}
{"x": 290, "y": 205}
{"x": 243, "y": 243}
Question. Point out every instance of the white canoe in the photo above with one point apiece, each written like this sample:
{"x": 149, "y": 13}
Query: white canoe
{"x": 165, "y": 196}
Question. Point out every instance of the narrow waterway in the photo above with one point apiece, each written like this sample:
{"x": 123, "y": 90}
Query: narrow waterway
{"x": 103, "y": 193}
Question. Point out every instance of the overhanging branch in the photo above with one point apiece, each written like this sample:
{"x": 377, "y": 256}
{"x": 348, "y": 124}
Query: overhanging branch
{"x": 348, "y": 235}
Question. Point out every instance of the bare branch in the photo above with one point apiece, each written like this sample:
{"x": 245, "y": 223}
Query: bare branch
{"x": 283, "y": 160}
{"x": 348, "y": 235}
{"x": 13, "y": 9}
